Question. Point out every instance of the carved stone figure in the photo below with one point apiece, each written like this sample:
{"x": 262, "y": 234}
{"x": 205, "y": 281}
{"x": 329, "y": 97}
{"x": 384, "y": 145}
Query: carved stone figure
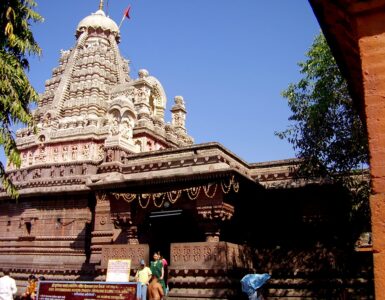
{"x": 30, "y": 158}
{"x": 65, "y": 153}
{"x": 55, "y": 154}
{"x": 24, "y": 159}
{"x": 84, "y": 169}
{"x": 62, "y": 169}
{"x": 74, "y": 152}
{"x": 110, "y": 155}
{"x": 100, "y": 152}
{"x": 86, "y": 151}
{"x": 143, "y": 94}
{"x": 52, "y": 172}
{"x": 177, "y": 120}
{"x": 42, "y": 154}
{"x": 126, "y": 130}
{"x": 36, "y": 174}
{"x": 113, "y": 128}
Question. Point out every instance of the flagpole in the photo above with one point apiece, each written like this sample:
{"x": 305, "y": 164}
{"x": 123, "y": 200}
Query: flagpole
{"x": 121, "y": 22}
{"x": 126, "y": 14}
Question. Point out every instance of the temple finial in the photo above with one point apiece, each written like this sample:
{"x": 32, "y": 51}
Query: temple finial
{"x": 101, "y": 5}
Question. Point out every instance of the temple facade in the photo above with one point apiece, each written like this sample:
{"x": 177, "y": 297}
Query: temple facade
{"x": 106, "y": 176}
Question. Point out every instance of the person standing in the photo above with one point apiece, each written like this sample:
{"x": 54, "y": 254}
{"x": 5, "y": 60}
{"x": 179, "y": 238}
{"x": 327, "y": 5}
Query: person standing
{"x": 29, "y": 293}
{"x": 158, "y": 269}
{"x": 155, "y": 289}
{"x": 7, "y": 286}
{"x": 165, "y": 273}
{"x": 143, "y": 275}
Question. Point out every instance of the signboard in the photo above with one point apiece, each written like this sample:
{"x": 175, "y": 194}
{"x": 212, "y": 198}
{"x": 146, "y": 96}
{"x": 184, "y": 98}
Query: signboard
{"x": 85, "y": 290}
{"x": 118, "y": 270}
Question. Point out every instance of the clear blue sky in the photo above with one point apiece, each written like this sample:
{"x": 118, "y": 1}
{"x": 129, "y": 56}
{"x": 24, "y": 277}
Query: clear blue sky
{"x": 229, "y": 59}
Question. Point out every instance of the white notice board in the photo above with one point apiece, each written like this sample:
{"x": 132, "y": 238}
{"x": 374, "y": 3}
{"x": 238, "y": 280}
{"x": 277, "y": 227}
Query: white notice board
{"x": 118, "y": 270}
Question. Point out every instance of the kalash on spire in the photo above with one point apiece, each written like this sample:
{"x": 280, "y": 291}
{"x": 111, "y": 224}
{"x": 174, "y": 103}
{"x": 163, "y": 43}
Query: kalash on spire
{"x": 92, "y": 110}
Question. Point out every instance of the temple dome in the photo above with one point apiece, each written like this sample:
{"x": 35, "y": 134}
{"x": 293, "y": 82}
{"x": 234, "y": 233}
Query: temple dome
{"x": 98, "y": 20}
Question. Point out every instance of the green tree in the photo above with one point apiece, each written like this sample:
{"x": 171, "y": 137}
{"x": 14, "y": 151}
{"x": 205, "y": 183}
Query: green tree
{"x": 16, "y": 93}
{"x": 325, "y": 130}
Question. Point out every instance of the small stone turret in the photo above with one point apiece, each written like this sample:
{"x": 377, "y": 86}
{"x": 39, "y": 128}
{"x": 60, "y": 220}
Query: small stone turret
{"x": 178, "y": 113}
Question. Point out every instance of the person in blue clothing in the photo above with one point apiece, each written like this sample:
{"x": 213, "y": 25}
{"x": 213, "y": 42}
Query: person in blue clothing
{"x": 252, "y": 285}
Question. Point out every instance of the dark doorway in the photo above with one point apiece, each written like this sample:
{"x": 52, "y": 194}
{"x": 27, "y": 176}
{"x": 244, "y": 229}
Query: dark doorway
{"x": 165, "y": 227}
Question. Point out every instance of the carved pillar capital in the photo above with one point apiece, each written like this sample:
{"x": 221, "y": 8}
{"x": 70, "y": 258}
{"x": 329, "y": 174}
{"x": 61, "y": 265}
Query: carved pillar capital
{"x": 102, "y": 212}
{"x": 124, "y": 222}
{"x": 132, "y": 235}
{"x": 212, "y": 216}
{"x": 219, "y": 212}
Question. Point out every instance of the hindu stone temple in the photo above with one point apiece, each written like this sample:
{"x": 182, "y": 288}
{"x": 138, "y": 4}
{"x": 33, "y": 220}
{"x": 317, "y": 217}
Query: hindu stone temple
{"x": 106, "y": 176}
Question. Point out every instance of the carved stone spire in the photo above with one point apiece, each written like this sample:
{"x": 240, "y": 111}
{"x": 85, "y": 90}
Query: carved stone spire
{"x": 92, "y": 110}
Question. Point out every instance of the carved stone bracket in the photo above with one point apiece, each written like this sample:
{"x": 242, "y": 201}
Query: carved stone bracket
{"x": 123, "y": 221}
{"x": 220, "y": 212}
{"x": 212, "y": 216}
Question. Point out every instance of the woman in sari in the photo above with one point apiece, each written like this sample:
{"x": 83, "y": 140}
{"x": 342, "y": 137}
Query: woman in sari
{"x": 157, "y": 269}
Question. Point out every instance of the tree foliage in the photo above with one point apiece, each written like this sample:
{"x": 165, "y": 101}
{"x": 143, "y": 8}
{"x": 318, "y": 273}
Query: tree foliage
{"x": 16, "y": 93}
{"x": 326, "y": 131}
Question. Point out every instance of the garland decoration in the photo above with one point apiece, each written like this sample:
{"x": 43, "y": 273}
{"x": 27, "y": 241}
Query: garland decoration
{"x": 193, "y": 193}
{"x": 206, "y": 190}
{"x": 144, "y": 196}
{"x": 158, "y": 196}
{"x": 126, "y": 197}
{"x": 177, "y": 194}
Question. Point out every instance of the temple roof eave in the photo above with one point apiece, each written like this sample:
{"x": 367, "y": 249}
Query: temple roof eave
{"x": 173, "y": 167}
{"x": 137, "y": 182}
{"x": 48, "y": 190}
{"x": 157, "y": 181}
{"x": 191, "y": 163}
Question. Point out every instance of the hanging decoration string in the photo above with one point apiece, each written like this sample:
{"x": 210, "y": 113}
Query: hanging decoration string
{"x": 144, "y": 196}
{"x": 193, "y": 193}
{"x": 158, "y": 196}
{"x": 173, "y": 196}
{"x": 206, "y": 189}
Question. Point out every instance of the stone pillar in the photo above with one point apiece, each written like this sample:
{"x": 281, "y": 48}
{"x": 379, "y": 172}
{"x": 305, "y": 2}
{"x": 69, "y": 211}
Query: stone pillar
{"x": 103, "y": 228}
{"x": 212, "y": 217}
{"x": 371, "y": 38}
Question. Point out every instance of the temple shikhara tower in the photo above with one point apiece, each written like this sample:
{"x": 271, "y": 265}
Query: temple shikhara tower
{"x": 105, "y": 176}
{"x": 92, "y": 108}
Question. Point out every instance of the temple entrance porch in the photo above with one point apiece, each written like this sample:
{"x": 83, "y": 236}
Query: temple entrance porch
{"x": 164, "y": 227}
{"x": 184, "y": 224}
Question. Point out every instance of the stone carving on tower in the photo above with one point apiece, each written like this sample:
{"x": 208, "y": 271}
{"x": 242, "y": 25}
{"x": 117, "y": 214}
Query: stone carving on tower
{"x": 91, "y": 107}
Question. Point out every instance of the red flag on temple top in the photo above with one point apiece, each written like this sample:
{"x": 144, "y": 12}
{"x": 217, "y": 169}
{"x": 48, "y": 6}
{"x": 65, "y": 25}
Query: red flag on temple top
{"x": 127, "y": 12}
